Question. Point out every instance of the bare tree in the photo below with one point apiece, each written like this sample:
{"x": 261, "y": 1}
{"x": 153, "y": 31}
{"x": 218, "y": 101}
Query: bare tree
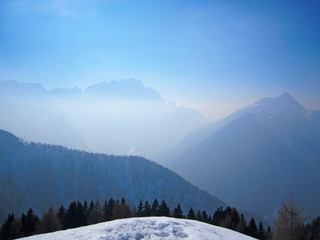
{"x": 49, "y": 222}
{"x": 289, "y": 223}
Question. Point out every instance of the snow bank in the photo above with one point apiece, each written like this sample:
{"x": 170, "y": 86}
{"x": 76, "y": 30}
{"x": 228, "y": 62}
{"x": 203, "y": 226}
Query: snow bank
{"x": 145, "y": 228}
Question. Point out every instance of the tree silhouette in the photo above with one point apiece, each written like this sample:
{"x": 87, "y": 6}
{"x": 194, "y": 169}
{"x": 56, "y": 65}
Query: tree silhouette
{"x": 191, "y": 214}
{"x": 289, "y": 222}
{"x": 155, "y": 208}
{"x": 29, "y": 222}
{"x": 177, "y": 212}
{"x": 164, "y": 209}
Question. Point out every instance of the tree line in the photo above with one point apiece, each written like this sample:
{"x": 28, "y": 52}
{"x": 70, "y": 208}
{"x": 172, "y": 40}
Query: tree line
{"x": 81, "y": 214}
{"x": 289, "y": 224}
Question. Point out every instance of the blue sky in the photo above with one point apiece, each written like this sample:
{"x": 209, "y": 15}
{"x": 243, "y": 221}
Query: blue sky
{"x": 215, "y": 56}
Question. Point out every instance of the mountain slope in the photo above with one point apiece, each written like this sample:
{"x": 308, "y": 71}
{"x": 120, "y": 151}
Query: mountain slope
{"x": 39, "y": 176}
{"x": 259, "y": 157}
{"x": 146, "y": 228}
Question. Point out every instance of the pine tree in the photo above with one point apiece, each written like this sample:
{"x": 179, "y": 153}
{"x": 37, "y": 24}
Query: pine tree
{"x": 111, "y": 204}
{"x": 62, "y": 215}
{"x": 242, "y": 226}
{"x": 80, "y": 215}
{"x": 155, "y": 208}
{"x": 146, "y": 209}
{"x": 164, "y": 209}
{"x": 252, "y": 228}
{"x": 10, "y": 228}
{"x": 139, "y": 209}
{"x": 105, "y": 210}
{"x": 199, "y": 216}
{"x": 235, "y": 219}
{"x": 269, "y": 234}
{"x": 261, "y": 232}
{"x": 177, "y": 212}
{"x": 191, "y": 214}
{"x": 204, "y": 216}
{"x": 85, "y": 207}
{"x": 314, "y": 229}
{"x": 29, "y": 222}
{"x": 217, "y": 216}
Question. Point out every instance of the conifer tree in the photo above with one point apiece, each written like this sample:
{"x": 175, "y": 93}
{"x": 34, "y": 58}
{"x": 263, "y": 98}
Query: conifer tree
{"x": 10, "y": 228}
{"x": 91, "y": 205}
{"x": 269, "y": 234}
{"x": 71, "y": 218}
{"x": 85, "y": 208}
{"x": 235, "y": 219}
{"x": 252, "y": 228}
{"x": 62, "y": 215}
{"x": 204, "y": 216}
{"x": 29, "y": 222}
{"x": 80, "y": 217}
{"x": 164, "y": 209}
{"x": 105, "y": 210}
{"x": 199, "y": 216}
{"x": 155, "y": 208}
{"x": 146, "y": 209}
{"x": 191, "y": 214}
{"x": 139, "y": 209}
{"x": 261, "y": 232}
{"x": 242, "y": 226}
{"x": 111, "y": 204}
{"x": 177, "y": 212}
{"x": 217, "y": 216}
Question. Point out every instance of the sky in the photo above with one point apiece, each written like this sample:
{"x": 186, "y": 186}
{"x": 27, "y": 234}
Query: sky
{"x": 215, "y": 56}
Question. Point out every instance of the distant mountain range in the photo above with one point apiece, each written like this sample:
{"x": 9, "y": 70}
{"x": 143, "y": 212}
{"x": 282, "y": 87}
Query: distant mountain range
{"x": 117, "y": 117}
{"x": 39, "y": 176}
{"x": 127, "y": 89}
{"x": 257, "y": 157}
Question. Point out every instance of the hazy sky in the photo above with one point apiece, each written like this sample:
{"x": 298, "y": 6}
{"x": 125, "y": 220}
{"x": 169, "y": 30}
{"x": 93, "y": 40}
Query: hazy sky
{"x": 215, "y": 56}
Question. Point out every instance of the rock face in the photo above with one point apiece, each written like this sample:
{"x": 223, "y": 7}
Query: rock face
{"x": 39, "y": 176}
{"x": 258, "y": 157}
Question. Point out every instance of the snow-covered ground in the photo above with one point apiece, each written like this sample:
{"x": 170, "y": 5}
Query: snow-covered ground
{"x": 146, "y": 228}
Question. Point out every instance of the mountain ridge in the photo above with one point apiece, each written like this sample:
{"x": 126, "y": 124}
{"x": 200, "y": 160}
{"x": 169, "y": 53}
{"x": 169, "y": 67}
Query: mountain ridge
{"x": 274, "y": 135}
{"x": 120, "y": 118}
{"x": 38, "y": 176}
{"x": 126, "y": 89}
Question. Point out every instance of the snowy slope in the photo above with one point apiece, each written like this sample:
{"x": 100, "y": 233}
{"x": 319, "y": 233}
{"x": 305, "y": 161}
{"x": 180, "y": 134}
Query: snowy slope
{"x": 146, "y": 228}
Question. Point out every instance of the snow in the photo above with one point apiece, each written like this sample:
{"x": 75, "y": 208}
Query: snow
{"x": 145, "y": 228}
